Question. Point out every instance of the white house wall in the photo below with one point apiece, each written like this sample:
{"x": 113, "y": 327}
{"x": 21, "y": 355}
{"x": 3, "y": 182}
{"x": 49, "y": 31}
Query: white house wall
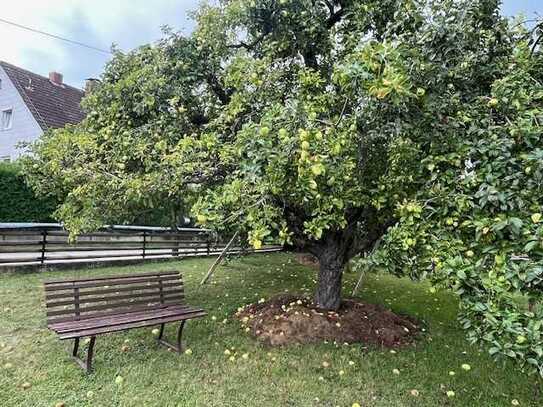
{"x": 24, "y": 127}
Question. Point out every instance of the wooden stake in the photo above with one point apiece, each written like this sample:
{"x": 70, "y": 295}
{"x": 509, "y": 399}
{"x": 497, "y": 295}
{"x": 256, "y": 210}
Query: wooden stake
{"x": 365, "y": 268}
{"x": 218, "y": 260}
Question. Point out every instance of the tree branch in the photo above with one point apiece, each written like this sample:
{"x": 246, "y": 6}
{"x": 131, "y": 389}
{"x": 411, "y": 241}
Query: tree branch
{"x": 536, "y": 43}
{"x": 364, "y": 237}
{"x": 335, "y": 17}
{"x": 250, "y": 46}
{"x": 330, "y": 6}
{"x": 216, "y": 87}
{"x": 342, "y": 112}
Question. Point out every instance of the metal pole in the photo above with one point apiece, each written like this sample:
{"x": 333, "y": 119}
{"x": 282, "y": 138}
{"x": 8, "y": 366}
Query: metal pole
{"x": 43, "y": 245}
{"x": 144, "y": 243}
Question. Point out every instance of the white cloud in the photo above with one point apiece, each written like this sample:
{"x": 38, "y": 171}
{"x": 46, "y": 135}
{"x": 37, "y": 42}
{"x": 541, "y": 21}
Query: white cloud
{"x": 98, "y": 23}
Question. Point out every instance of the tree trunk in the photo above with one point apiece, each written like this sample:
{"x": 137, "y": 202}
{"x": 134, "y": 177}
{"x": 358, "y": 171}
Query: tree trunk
{"x": 334, "y": 251}
{"x": 328, "y": 295}
{"x": 332, "y": 260}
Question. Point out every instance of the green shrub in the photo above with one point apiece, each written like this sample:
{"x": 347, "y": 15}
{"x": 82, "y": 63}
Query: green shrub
{"x": 17, "y": 201}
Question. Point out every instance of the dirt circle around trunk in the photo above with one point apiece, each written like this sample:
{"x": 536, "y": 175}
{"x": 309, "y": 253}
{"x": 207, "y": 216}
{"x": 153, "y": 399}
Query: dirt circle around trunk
{"x": 290, "y": 319}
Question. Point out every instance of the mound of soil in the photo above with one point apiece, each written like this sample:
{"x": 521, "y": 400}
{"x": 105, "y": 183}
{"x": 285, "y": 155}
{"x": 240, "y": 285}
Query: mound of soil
{"x": 287, "y": 319}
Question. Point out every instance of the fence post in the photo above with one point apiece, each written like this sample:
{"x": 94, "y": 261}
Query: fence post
{"x": 144, "y": 242}
{"x": 208, "y": 245}
{"x": 43, "y": 246}
{"x": 175, "y": 250}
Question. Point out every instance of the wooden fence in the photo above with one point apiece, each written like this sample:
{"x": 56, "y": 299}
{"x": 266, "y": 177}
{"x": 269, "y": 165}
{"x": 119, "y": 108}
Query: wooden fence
{"x": 49, "y": 245}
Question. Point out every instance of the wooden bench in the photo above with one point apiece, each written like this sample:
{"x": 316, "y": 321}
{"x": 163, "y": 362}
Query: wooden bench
{"x": 93, "y": 306}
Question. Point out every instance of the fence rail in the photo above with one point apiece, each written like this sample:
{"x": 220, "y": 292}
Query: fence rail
{"x": 50, "y": 245}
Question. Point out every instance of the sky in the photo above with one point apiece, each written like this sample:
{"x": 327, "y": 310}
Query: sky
{"x": 100, "y": 23}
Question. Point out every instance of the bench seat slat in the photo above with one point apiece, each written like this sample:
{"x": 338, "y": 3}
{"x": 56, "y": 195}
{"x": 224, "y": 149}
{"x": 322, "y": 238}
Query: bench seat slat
{"x": 55, "y": 325}
{"x": 115, "y": 305}
{"x": 121, "y": 319}
{"x": 131, "y": 325}
{"x": 94, "y": 315}
{"x": 94, "y": 322}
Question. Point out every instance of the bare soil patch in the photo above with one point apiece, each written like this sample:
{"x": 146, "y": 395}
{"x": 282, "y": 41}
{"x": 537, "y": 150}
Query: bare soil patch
{"x": 288, "y": 319}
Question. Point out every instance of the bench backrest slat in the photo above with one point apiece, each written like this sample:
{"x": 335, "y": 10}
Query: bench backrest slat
{"x": 89, "y": 300}
{"x": 78, "y": 299}
{"x": 117, "y": 290}
{"x": 127, "y": 276}
{"x": 106, "y": 283}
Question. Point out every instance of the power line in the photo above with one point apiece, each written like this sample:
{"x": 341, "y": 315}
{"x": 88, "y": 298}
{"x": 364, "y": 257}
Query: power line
{"x": 54, "y": 36}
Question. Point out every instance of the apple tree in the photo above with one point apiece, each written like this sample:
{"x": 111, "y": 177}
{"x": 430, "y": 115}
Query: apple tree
{"x": 309, "y": 121}
{"x": 476, "y": 225}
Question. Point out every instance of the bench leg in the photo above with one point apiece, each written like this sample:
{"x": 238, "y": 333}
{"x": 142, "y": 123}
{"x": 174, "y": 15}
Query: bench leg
{"x": 178, "y": 346}
{"x": 76, "y": 347}
{"x": 87, "y": 364}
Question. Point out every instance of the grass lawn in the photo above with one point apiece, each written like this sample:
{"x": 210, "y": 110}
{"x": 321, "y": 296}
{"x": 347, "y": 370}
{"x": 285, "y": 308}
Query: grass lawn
{"x": 291, "y": 376}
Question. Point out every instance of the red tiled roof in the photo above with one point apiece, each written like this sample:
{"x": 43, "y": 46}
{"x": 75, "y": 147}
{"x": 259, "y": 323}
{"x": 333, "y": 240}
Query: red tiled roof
{"x": 52, "y": 106}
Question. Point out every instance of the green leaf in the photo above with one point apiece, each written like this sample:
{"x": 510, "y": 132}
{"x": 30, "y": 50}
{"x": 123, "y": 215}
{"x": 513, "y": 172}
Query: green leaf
{"x": 530, "y": 246}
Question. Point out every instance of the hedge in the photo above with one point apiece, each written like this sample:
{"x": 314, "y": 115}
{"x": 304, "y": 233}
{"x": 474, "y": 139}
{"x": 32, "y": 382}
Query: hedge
{"x": 18, "y": 203}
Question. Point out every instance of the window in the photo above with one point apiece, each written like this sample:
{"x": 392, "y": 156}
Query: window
{"x": 6, "y": 119}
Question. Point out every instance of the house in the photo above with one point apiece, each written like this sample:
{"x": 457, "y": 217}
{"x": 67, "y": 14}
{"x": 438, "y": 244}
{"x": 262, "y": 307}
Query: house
{"x": 31, "y": 104}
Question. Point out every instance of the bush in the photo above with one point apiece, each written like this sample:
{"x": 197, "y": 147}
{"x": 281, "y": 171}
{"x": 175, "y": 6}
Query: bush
{"x": 17, "y": 201}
